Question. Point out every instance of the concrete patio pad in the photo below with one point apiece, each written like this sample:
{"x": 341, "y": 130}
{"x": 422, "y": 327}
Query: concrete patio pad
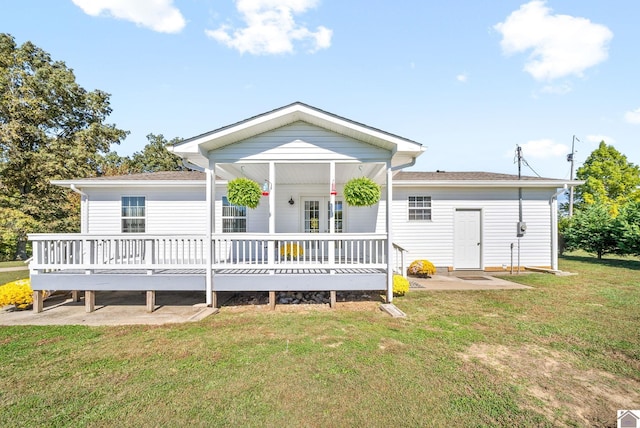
{"x": 470, "y": 281}
{"x": 115, "y": 308}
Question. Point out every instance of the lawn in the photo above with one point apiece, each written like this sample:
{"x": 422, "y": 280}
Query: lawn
{"x": 12, "y": 275}
{"x": 566, "y": 353}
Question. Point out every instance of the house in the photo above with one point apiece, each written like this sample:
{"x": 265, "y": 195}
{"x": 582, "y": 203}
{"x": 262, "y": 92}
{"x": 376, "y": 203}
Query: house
{"x": 628, "y": 419}
{"x": 178, "y": 230}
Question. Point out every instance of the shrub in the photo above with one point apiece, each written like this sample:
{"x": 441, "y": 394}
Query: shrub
{"x": 291, "y": 251}
{"x": 17, "y": 293}
{"x": 421, "y": 268}
{"x": 400, "y": 285}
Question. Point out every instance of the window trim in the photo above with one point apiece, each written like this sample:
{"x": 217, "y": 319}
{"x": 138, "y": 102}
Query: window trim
{"x": 425, "y": 208}
{"x": 143, "y": 217}
{"x": 233, "y": 218}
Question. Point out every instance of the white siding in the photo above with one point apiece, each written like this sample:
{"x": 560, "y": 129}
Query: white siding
{"x": 301, "y": 141}
{"x": 184, "y": 211}
{"x": 433, "y": 239}
{"x": 167, "y": 210}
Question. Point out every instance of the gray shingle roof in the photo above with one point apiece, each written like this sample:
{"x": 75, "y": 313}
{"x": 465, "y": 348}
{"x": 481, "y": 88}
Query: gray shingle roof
{"x": 149, "y": 176}
{"x": 459, "y": 176}
{"x": 399, "y": 176}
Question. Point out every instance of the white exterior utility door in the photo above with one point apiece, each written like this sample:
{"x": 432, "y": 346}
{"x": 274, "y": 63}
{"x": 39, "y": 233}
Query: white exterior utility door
{"x": 468, "y": 243}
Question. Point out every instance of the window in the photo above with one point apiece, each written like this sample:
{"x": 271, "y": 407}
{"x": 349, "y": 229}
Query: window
{"x": 133, "y": 213}
{"x": 419, "y": 207}
{"x": 234, "y": 217}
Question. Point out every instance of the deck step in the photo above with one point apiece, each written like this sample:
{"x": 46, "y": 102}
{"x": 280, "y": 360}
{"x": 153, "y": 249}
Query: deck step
{"x": 392, "y": 310}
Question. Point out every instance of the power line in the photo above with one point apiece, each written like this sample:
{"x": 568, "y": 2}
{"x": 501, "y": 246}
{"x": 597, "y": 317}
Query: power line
{"x": 519, "y": 157}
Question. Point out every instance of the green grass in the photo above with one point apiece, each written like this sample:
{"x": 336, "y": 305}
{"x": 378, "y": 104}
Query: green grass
{"x": 17, "y": 263}
{"x": 564, "y": 353}
{"x": 12, "y": 276}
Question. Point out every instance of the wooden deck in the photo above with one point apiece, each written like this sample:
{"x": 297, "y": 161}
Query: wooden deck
{"x": 228, "y": 279}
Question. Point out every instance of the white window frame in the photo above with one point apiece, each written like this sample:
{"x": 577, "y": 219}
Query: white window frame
{"x": 419, "y": 204}
{"x": 232, "y": 213}
{"x": 133, "y": 212}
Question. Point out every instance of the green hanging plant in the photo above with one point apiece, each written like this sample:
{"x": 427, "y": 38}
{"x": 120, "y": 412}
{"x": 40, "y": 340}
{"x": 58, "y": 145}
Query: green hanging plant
{"x": 244, "y": 192}
{"x": 361, "y": 192}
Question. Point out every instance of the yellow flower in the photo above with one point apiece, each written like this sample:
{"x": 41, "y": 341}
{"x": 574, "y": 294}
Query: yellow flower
{"x": 291, "y": 251}
{"x": 17, "y": 293}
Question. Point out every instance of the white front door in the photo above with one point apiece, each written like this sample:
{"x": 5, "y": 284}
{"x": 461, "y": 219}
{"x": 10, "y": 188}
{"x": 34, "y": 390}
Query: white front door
{"x": 468, "y": 243}
{"x": 316, "y": 214}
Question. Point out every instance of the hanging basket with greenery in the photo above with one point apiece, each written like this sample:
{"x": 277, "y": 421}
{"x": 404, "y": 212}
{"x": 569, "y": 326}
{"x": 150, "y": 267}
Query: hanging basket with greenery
{"x": 361, "y": 192}
{"x": 244, "y": 192}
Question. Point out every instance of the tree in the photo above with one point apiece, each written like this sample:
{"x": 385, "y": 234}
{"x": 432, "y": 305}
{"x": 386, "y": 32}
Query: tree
{"x": 626, "y": 228}
{"x": 155, "y": 156}
{"x": 14, "y": 226}
{"x": 50, "y": 128}
{"x": 591, "y": 229}
{"x": 610, "y": 178}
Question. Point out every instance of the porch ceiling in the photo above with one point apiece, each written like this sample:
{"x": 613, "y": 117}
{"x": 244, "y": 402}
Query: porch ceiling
{"x": 301, "y": 173}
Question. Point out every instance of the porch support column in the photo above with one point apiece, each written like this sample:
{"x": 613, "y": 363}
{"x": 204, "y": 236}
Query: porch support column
{"x": 389, "y": 232}
{"x": 210, "y": 198}
{"x": 332, "y": 213}
{"x": 272, "y": 216}
{"x": 272, "y": 198}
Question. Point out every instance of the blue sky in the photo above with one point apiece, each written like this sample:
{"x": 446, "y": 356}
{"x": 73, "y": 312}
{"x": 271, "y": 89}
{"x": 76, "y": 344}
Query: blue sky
{"x": 468, "y": 79}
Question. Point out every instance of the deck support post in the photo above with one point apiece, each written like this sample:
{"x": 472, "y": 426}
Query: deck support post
{"x": 89, "y": 301}
{"x": 332, "y": 299}
{"x": 151, "y": 300}
{"x": 75, "y": 296}
{"x": 389, "y": 221}
{"x": 37, "y": 301}
{"x": 214, "y": 299}
{"x": 272, "y": 300}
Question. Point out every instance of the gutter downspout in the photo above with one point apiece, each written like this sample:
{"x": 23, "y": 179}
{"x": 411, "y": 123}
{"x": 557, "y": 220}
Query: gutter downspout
{"x": 553, "y": 203}
{"x": 188, "y": 164}
{"x": 84, "y": 209}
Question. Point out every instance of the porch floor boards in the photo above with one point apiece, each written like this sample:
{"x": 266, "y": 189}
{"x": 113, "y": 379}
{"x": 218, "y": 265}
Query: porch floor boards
{"x": 235, "y": 271}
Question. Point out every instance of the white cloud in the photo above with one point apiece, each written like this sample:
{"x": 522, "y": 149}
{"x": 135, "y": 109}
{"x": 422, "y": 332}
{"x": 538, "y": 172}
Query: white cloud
{"x": 561, "y": 89}
{"x": 560, "y": 45}
{"x": 543, "y": 148}
{"x": 271, "y": 28}
{"x": 633, "y": 116}
{"x": 595, "y": 139}
{"x": 462, "y": 77}
{"x": 157, "y": 15}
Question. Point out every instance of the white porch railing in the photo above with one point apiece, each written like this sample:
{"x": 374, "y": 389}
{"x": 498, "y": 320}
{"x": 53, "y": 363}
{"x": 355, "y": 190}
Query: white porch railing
{"x": 398, "y": 260}
{"x": 230, "y": 251}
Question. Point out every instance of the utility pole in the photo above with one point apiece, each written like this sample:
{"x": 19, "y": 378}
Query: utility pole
{"x": 521, "y": 227}
{"x": 570, "y": 158}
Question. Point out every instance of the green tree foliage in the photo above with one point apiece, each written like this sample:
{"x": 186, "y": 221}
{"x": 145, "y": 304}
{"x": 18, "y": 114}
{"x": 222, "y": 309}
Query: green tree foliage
{"x": 610, "y": 178}
{"x": 154, "y": 157}
{"x": 14, "y": 226}
{"x": 626, "y": 229}
{"x": 50, "y": 128}
{"x": 591, "y": 229}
